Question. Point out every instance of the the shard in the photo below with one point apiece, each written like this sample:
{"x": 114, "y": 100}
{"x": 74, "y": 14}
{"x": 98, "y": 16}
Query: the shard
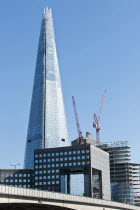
{"x": 47, "y": 126}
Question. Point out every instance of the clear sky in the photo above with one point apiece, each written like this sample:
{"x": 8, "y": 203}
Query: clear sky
{"x": 98, "y": 46}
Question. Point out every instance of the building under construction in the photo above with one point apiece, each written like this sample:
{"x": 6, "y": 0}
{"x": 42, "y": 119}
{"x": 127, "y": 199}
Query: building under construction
{"x": 124, "y": 175}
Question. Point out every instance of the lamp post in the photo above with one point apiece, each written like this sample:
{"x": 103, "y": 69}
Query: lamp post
{"x": 15, "y": 165}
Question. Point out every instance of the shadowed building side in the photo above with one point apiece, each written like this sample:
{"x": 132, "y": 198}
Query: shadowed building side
{"x": 47, "y": 122}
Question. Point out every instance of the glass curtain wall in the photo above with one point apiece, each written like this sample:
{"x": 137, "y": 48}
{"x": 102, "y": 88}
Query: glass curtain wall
{"x": 47, "y": 126}
{"x": 96, "y": 183}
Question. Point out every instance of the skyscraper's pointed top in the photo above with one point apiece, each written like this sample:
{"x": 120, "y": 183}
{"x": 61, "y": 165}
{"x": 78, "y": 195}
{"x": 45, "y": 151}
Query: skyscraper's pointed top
{"x": 46, "y": 11}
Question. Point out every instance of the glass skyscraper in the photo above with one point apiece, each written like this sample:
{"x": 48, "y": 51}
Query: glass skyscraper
{"x": 47, "y": 122}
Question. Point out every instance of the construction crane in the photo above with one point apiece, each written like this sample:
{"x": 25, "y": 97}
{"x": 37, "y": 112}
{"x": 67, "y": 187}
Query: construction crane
{"x": 80, "y": 137}
{"x": 97, "y": 119}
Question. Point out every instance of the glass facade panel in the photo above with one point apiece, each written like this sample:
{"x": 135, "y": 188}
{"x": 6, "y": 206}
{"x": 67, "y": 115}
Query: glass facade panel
{"x": 64, "y": 181}
{"x": 97, "y": 183}
{"x": 77, "y": 184}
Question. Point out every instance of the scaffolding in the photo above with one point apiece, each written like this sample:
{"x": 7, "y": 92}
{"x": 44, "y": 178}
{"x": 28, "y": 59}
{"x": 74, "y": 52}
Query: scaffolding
{"x": 124, "y": 175}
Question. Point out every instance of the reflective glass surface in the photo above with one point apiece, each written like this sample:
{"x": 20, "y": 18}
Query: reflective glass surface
{"x": 77, "y": 184}
{"x": 47, "y": 122}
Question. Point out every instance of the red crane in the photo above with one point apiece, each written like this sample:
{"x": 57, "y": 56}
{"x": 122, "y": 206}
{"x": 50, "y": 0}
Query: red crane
{"x": 97, "y": 119}
{"x": 77, "y": 122}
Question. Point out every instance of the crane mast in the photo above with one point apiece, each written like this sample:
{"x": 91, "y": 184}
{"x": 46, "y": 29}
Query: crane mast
{"x": 77, "y": 122}
{"x": 97, "y": 119}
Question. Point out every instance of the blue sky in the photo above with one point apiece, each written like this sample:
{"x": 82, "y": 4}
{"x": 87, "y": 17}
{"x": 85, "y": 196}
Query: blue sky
{"x": 98, "y": 45}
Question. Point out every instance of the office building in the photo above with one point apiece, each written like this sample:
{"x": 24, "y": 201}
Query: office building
{"x": 78, "y": 169}
{"x": 124, "y": 175}
{"x": 17, "y": 177}
{"x": 47, "y": 126}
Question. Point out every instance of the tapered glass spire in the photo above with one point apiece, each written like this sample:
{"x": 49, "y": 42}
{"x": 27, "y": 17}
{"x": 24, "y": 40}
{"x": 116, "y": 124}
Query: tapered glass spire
{"x": 47, "y": 122}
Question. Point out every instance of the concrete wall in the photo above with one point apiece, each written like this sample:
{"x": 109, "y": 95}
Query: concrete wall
{"x": 100, "y": 161}
{"x": 10, "y": 194}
